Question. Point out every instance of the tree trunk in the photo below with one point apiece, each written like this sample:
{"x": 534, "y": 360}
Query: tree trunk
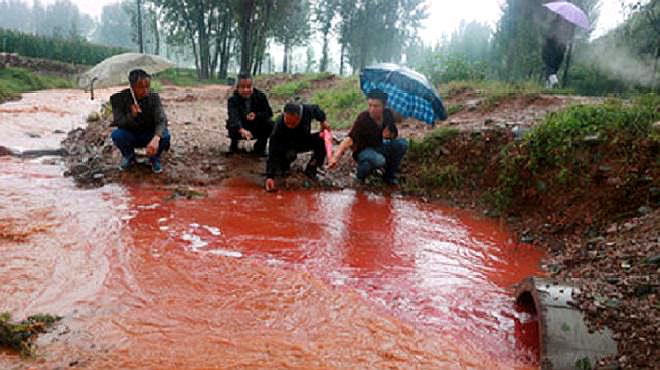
{"x": 156, "y": 33}
{"x": 341, "y": 60}
{"x": 324, "y": 54}
{"x": 285, "y": 62}
{"x": 139, "y": 26}
{"x": 564, "y": 81}
{"x": 246, "y": 34}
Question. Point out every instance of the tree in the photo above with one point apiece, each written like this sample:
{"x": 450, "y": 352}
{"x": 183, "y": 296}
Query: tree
{"x": 377, "y": 30}
{"x": 325, "y": 12}
{"x": 292, "y": 28}
{"x": 14, "y": 13}
{"x": 114, "y": 28}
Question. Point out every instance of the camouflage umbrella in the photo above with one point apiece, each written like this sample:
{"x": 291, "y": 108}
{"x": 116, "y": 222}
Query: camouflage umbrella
{"x": 114, "y": 70}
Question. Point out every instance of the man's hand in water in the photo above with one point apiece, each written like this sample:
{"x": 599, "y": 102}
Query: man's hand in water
{"x": 152, "y": 147}
{"x": 270, "y": 184}
{"x": 251, "y": 116}
{"x": 135, "y": 110}
{"x": 332, "y": 163}
{"x": 247, "y": 135}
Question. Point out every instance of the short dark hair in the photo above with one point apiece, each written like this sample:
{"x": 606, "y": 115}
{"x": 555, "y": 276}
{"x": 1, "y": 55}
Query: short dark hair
{"x": 378, "y": 95}
{"x": 138, "y": 74}
{"x": 243, "y": 76}
{"x": 293, "y": 108}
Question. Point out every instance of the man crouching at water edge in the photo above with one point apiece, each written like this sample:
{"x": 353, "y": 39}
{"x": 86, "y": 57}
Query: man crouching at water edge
{"x": 292, "y": 135}
{"x": 373, "y": 139}
{"x": 249, "y": 116}
{"x": 140, "y": 120}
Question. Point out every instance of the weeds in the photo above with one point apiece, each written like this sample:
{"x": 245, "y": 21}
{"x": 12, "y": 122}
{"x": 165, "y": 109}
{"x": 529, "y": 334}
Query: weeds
{"x": 20, "y": 336}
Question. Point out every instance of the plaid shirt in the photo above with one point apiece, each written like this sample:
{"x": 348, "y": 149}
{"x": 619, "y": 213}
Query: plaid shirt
{"x": 407, "y": 104}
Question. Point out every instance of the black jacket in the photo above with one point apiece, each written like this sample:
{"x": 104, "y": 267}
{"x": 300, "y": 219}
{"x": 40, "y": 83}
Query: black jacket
{"x": 152, "y": 119}
{"x": 366, "y": 133}
{"x": 237, "y": 108}
{"x": 284, "y": 137}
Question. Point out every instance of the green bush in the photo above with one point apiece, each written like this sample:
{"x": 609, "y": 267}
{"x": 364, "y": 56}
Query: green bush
{"x": 63, "y": 50}
{"x": 290, "y": 89}
{"x": 183, "y": 77}
{"x": 563, "y": 142}
{"x": 591, "y": 81}
{"x": 342, "y": 103}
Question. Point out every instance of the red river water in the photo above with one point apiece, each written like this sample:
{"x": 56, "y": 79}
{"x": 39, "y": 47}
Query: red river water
{"x": 247, "y": 279}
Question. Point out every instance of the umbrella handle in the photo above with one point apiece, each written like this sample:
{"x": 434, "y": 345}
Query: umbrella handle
{"x": 91, "y": 87}
{"x": 132, "y": 94}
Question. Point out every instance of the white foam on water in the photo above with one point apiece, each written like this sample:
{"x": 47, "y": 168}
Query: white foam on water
{"x": 213, "y": 230}
{"x": 225, "y": 253}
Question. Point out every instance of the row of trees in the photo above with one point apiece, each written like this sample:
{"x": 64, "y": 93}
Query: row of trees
{"x": 219, "y": 34}
{"x": 61, "y": 19}
{"x": 367, "y": 30}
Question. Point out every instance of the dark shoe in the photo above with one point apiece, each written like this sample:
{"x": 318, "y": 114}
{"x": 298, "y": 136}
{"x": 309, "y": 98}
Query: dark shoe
{"x": 310, "y": 171}
{"x": 126, "y": 163}
{"x": 391, "y": 181}
{"x": 155, "y": 165}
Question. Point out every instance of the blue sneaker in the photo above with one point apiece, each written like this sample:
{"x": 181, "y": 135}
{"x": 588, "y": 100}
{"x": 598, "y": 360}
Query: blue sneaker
{"x": 155, "y": 165}
{"x": 126, "y": 163}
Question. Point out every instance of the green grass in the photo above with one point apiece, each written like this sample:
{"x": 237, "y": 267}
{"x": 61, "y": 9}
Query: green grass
{"x": 14, "y": 81}
{"x": 564, "y": 143}
{"x": 342, "y": 103}
{"x": 289, "y": 89}
{"x": 20, "y": 336}
{"x": 494, "y": 92}
{"x": 183, "y": 77}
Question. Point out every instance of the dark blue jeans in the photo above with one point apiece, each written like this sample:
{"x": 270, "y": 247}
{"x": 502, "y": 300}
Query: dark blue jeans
{"x": 127, "y": 141}
{"x": 388, "y": 156}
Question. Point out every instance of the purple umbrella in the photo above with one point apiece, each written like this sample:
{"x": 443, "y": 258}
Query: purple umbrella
{"x": 570, "y": 13}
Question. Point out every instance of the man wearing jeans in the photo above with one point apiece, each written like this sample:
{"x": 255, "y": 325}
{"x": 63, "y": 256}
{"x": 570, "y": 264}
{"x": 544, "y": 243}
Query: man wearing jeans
{"x": 140, "y": 120}
{"x": 373, "y": 140}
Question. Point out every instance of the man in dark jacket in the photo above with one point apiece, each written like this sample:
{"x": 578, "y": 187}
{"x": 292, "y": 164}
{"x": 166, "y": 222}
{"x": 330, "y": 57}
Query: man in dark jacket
{"x": 292, "y": 135}
{"x": 373, "y": 140}
{"x": 140, "y": 120}
{"x": 249, "y": 115}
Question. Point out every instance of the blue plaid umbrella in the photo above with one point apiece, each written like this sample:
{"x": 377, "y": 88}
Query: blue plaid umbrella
{"x": 410, "y": 93}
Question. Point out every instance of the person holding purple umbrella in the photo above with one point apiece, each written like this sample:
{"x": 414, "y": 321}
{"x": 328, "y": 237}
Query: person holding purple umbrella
{"x": 560, "y": 35}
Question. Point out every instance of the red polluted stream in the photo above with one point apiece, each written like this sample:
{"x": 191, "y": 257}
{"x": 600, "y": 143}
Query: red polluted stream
{"x": 246, "y": 279}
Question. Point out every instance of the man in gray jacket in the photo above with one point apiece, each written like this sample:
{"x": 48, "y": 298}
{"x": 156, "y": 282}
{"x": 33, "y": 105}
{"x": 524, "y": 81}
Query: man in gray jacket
{"x": 140, "y": 120}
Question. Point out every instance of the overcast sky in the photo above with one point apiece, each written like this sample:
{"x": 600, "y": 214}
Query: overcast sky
{"x": 444, "y": 16}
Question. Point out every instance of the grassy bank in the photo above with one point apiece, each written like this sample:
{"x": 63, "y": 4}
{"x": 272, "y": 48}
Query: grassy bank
{"x": 585, "y": 163}
{"x": 20, "y": 336}
{"x": 14, "y": 81}
{"x": 342, "y": 102}
{"x": 183, "y": 77}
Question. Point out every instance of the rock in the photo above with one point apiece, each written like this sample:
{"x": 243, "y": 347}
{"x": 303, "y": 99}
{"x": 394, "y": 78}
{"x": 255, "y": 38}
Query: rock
{"x": 612, "y": 229}
{"x": 644, "y": 210}
{"x": 98, "y": 176}
{"x": 187, "y": 123}
{"x": 34, "y": 136}
{"x": 592, "y": 139}
{"x": 93, "y": 117}
{"x": 653, "y": 260}
{"x": 488, "y": 121}
{"x": 59, "y": 132}
{"x": 656, "y": 126}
